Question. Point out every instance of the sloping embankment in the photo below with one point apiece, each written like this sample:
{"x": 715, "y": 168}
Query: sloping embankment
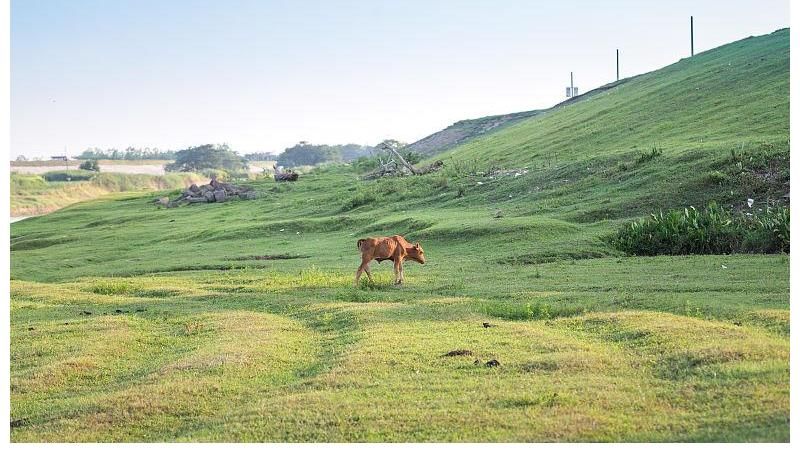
{"x": 31, "y": 195}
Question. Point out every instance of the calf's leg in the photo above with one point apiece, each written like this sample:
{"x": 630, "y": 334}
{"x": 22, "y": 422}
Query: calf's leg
{"x": 398, "y": 272}
{"x": 363, "y": 267}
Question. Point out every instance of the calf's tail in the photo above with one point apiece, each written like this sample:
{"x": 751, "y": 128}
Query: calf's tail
{"x": 358, "y": 243}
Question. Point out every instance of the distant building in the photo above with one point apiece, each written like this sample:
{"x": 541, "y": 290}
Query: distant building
{"x": 59, "y": 158}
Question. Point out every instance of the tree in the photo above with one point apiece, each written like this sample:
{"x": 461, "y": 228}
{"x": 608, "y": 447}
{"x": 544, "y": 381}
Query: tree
{"x": 21, "y": 158}
{"x": 352, "y": 151}
{"x": 199, "y": 158}
{"x": 306, "y": 154}
{"x": 129, "y": 154}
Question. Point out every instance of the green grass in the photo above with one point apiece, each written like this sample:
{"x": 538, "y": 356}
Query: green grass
{"x": 134, "y": 323}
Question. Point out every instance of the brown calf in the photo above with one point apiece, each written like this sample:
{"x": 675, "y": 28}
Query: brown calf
{"x": 394, "y": 248}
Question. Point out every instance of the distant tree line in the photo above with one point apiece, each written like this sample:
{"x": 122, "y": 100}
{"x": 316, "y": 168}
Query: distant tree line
{"x": 221, "y": 157}
{"x": 128, "y": 154}
{"x": 307, "y": 154}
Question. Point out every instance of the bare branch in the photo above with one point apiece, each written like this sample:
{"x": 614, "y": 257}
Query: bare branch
{"x": 400, "y": 158}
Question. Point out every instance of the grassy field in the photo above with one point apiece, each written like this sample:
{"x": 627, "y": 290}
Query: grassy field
{"x": 239, "y": 321}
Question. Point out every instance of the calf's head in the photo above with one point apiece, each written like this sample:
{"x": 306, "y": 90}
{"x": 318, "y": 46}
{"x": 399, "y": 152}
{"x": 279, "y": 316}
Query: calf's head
{"x": 416, "y": 253}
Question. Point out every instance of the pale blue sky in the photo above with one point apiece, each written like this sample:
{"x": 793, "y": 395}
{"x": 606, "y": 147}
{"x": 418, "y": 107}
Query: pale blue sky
{"x": 262, "y": 75}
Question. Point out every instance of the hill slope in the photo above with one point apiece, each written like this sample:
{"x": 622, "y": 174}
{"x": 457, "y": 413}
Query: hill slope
{"x": 239, "y": 320}
{"x": 708, "y": 113}
{"x": 470, "y": 129}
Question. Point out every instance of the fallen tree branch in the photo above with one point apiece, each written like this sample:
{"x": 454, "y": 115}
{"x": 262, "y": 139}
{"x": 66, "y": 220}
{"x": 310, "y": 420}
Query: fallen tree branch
{"x": 394, "y": 167}
{"x": 400, "y": 158}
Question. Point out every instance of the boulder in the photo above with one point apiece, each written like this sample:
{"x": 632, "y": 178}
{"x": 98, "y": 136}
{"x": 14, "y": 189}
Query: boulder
{"x": 220, "y": 196}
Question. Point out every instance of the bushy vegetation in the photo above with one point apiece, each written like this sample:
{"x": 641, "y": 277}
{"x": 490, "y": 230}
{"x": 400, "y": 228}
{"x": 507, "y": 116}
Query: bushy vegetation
{"x": 645, "y": 156}
{"x": 307, "y": 154}
{"x": 90, "y": 164}
{"x": 26, "y": 182}
{"x": 760, "y": 169}
{"x": 713, "y": 230}
{"x": 68, "y": 176}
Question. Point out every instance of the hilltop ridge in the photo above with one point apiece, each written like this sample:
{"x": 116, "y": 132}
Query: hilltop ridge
{"x": 468, "y": 129}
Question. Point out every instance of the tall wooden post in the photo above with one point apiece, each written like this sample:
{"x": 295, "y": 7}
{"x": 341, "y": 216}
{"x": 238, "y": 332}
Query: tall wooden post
{"x": 617, "y": 63}
{"x": 691, "y": 33}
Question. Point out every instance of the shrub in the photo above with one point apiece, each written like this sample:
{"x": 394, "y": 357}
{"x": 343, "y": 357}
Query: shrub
{"x": 363, "y": 195}
{"x": 67, "y": 176}
{"x": 460, "y": 168}
{"x": 90, "y": 164}
{"x": 710, "y": 231}
{"x": 25, "y": 182}
{"x": 367, "y": 163}
{"x": 645, "y": 156}
{"x": 716, "y": 178}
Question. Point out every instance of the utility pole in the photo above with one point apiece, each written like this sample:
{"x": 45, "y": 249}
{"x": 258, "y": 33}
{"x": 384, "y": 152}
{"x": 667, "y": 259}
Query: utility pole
{"x": 691, "y": 33}
{"x": 617, "y": 63}
{"x": 572, "y": 91}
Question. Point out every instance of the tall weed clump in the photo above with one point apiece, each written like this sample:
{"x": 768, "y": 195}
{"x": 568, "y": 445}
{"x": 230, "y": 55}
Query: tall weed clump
{"x": 712, "y": 230}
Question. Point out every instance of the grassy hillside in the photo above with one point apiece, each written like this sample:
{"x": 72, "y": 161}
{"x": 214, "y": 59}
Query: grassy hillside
{"x": 466, "y": 130}
{"x": 239, "y": 320}
{"x": 469, "y": 129}
{"x": 725, "y": 110}
{"x": 35, "y": 195}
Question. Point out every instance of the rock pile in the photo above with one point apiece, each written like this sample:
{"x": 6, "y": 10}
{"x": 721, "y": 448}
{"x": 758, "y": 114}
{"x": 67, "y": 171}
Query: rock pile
{"x": 214, "y": 192}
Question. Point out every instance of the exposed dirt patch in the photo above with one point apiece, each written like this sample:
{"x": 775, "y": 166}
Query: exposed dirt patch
{"x": 541, "y": 365}
{"x": 458, "y": 353}
{"x": 18, "y": 423}
{"x": 685, "y": 364}
{"x": 271, "y": 257}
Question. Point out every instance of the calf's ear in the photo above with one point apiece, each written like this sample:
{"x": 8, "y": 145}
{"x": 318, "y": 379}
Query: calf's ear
{"x": 416, "y": 245}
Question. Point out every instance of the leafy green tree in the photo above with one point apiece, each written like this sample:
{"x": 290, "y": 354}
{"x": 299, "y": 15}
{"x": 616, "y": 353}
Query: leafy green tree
{"x": 199, "y": 158}
{"x": 306, "y": 154}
